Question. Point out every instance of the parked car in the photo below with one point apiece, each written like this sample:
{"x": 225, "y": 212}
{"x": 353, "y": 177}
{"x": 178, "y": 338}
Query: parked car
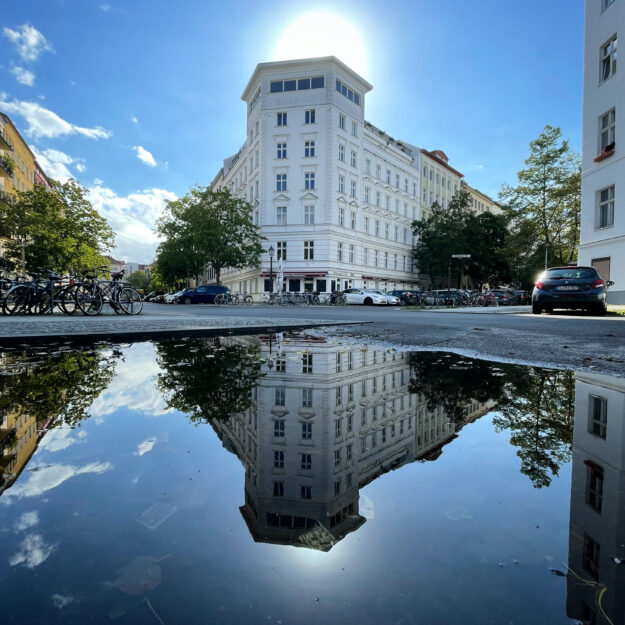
{"x": 153, "y": 294}
{"x": 391, "y": 300}
{"x": 360, "y": 296}
{"x": 204, "y": 294}
{"x": 407, "y": 298}
{"x": 503, "y": 297}
{"x": 170, "y": 298}
{"x": 522, "y": 297}
{"x": 570, "y": 287}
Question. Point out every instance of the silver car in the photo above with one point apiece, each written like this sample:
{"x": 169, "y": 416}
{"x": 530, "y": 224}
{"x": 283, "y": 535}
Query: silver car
{"x": 361, "y": 296}
{"x": 391, "y": 300}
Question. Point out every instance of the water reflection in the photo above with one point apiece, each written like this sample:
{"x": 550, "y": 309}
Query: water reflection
{"x": 596, "y": 571}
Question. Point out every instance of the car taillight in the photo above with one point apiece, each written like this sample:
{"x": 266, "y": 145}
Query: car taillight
{"x": 539, "y": 284}
{"x": 597, "y": 283}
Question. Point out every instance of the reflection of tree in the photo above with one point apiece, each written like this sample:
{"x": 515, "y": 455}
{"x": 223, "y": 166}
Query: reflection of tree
{"x": 539, "y": 410}
{"x": 536, "y": 405}
{"x": 208, "y": 378}
{"x": 58, "y": 385}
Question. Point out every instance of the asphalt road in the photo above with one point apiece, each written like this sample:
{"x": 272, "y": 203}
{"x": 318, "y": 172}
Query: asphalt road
{"x": 570, "y": 340}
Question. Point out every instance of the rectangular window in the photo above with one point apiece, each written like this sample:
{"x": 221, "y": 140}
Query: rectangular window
{"x": 279, "y": 396}
{"x": 350, "y": 425}
{"x": 605, "y": 4}
{"x": 309, "y": 215}
{"x": 606, "y": 208}
{"x": 281, "y": 215}
{"x": 354, "y": 129}
{"x": 353, "y": 221}
{"x": 316, "y": 82}
{"x": 607, "y": 126}
{"x": 598, "y": 415}
{"x": 388, "y": 176}
{"x": 278, "y": 489}
{"x": 306, "y": 431}
{"x": 386, "y": 260}
{"x": 341, "y": 216}
{"x": 378, "y": 171}
{"x": 309, "y": 180}
{"x": 337, "y": 425}
{"x": 608, "y": 58}
{"x": 352, "y": 159}
{"x": 309, "y": 250}
{"x": 377, "y": 198}
{"x": 281, "y": 119}
{"x": 342, "y": 122}
{"x": 281, "y": 150}
{"x": 339, "y": 255}
{"x": 309, "y": 116}
{"x": 307, "y": 397}
{"x": 591, "y": 557}
{"x": 337, "y": 457}
{"x": 351, "y": 253}
{"x": 377, "y": 228}
{"x": 280, "y": 182}
{"x": 309, "y": 148}
{"x": 348, "y": 452}
{"x": 339, "y": 395}
{"x": 375, "y": 258}
{"x": 406, "y": 185}
{"x": 367, "y": 193}
{"x": 594, "y": 487}
{"x": 280, "y": 363}
{"x": 367, "y": 225}
{"x": 337, "y": 487}
{"x": 281, "y": 250}
{"x": 278, "y": 459}
{"x": 341, "y": 152}
{"x": 341, "y": 184}
{"x": 278, "y": 428}
{"x": 352, "y": 191}
{"x": 347, "y": 92}
{"x": 305, "y": 492}
{"x": 306, "y": 462}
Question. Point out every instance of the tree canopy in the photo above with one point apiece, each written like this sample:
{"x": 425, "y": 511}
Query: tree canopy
{"x": 207, "y": 228}
{"x": 544, "y": 206}
{"x": 56, "y": 228}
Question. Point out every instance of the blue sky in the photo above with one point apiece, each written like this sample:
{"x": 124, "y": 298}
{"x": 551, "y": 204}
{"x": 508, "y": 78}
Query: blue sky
{"x": 140, "y": 99}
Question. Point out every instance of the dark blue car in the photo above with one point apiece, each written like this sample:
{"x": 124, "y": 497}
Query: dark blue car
{"x": 201, "y": 294}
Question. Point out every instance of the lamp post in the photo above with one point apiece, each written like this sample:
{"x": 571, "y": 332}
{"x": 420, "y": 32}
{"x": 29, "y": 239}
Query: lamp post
{"x": 449, "y": 272}
{"x": 270, "y": 250}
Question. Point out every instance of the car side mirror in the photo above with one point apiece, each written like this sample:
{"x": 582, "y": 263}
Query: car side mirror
{"x": 610, "y": 283}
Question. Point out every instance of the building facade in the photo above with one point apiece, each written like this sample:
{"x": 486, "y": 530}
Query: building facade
{"x": 602, "y": 234}
{"x": 334, "y": 195}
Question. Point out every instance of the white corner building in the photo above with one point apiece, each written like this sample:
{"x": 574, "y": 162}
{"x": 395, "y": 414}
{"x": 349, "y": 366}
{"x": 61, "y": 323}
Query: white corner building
{"x": 602, "y": 236}
{"x": 334, "y": 195}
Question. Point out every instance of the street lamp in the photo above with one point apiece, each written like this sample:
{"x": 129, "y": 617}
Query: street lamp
{"x": 449, "y": 272}
{"x": 270, "y": 250}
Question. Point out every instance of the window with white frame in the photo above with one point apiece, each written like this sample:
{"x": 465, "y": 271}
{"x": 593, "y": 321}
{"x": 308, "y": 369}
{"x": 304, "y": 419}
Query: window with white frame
{"x": 608, "y": 58}
{"x": 339, "y": 254}
{"x": 306, "y": 462}
{"x": 278, "y": 489}
{"x": 309, "y": 148}
{"x": 279, "y": 396}
{"x": 607, "y": 128}
{"x": 281, "y": 215}
{"x": 353, "y": 221}
{"x": 385, "y": 260}
{"x": 307, "y": 397}
{"x": 365, "y": 257}
{"x": 367, "y": 225}
{"x": 309, "y": 180}
{"x": 352, "y": 191}
{"x": 341, "y": 216}
{"x": 598, "y": 415}
{"x": 281, "y": 250}
{"x": 341, "y": 184}
{"x": 378, "y": 197}
{"x": 351, "y": 253}
{"x": 406, "y": 185}
{"x": 386, "y": 230}
{"x": 281, "y": 150}
{"x": 352, "y": 158}
{"x": 388, "y": 176}
{"x": 278, "y": 460}
{"x": 309, "y": 116}
{"x": 594, "y": 487}
{"x": 278, "y": 428}
{"x": 309, "y": 214}
{"x": 375, "y": 258}
{"x": 306, "y": 431}
{"x": 339, "y": 399}
{"x": 342, "y": 122}
{"x": 378, "y": 171}
{"x": 341, "y": 152}
{"x": 388, "y": 202}
{"x": 309, "y": 250}
{"x": 354, "y": 129}
{"x": 337, "y": 457}
{"x": 280, "y": 182}
{"x": 307, "y": 363}
{"x": 367, "y": 194}
{"x": 377, "y": 228}
{"x": 368, "y": 166}
{"x": 605, "y": 216}
{"x": 281, "y": 119}
{"x": 305, "y": 491}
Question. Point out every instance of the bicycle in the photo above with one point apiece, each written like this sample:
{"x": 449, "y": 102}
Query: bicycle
{"x": 39, "y": 296}
{"x": 92, "y": 294}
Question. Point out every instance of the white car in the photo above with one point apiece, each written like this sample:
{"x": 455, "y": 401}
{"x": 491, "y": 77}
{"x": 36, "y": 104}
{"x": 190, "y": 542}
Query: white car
{"x": 391, "y": 300}
{"x": 171, "y": 298}
{"x": 360, "y": 296}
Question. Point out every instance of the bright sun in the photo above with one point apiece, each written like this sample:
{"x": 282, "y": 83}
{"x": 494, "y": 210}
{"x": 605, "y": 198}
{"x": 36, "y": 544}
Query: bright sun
{"x": 322, "y": 33}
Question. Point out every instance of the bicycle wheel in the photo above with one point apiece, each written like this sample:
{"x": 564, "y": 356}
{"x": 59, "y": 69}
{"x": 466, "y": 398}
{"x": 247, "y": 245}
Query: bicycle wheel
{"x": 16, "y": 300}
{"x": 43, "y": 303}
{"x": 89, "y": 300}
{"x": 220, "y": 299}
{"x": 68, "y": 300}
{"x": 235, "y": 300}
{"x": 340, "y": 300}
{"x": 248, "y": 300}
{"x": 130, "y": 302}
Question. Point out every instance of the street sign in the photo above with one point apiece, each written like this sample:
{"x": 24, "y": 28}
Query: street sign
{"x": 461, "y": 255}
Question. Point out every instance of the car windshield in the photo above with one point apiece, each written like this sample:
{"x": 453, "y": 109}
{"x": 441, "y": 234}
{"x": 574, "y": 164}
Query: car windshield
{"x": 570, "y": 273}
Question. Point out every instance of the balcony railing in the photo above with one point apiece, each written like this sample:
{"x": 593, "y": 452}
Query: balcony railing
{"x": 7, "y": 165}
{"x": 5, "y": 142}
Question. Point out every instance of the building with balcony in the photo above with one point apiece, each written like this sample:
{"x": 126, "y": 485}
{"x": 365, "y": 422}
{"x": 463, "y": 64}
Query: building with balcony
{"x": 333, "y": 194}
{"x": 602, "y": 232}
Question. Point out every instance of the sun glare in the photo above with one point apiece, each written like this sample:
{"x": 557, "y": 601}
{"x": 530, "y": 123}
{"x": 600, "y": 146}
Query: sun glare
{"x": 322, "y": 33}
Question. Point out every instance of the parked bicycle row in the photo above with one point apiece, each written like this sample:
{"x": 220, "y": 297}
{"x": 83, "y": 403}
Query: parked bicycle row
{"x": 45, "y": 292}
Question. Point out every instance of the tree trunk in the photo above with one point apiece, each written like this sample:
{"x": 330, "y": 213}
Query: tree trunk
{"x": 217, "y": 275}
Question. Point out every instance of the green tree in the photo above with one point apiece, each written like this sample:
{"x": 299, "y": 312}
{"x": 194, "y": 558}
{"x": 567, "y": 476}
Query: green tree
{"x": 544, "y": 206}
{"x": 56, "y": 228}
{"x": 139, "y": 280}
{"x": 207, "y": 228}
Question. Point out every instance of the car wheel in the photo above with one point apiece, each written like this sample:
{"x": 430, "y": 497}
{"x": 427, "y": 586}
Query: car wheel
{"x": 536, "y": 309}
{"x": 368, "y": 301}
{"x": 187, "y": 300}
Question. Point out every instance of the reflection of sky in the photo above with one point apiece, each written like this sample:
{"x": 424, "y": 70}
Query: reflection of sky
{"x": 439, "y": 545}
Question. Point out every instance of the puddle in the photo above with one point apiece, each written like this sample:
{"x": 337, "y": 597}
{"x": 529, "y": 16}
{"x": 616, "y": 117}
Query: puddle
{"x": 289, "y": 479}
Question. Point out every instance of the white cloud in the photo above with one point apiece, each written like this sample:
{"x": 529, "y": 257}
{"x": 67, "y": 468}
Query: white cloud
{"x": 43, "y": 122}
{"x": 26, "y": 521}
{"x": 23, "y": 76}
{"x": 55, "y": 163}
{"x": 145, "y": 447}
{"x": 58, "y": 439}
{"x": 144, "y": 155}
{"x": 61, "y": 601}
{"x": 134, "y": 119}
{"x": 105, "y": 7}
{"x": 132, "y": 217}
{"x": 29, "y": 42}
{"x": 98, "y": 182}
{"x": 33, "y": 552}
{"x": 50, "y": 477}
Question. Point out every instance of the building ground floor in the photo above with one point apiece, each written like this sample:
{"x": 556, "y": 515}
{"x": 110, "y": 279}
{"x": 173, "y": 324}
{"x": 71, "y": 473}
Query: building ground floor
{"x": 608, "y": 257}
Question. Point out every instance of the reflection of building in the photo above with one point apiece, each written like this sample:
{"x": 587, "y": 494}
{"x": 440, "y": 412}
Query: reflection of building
{"x": 597, "y": 524}
{"x": 18, "y": 441}
{"x": 327, "y": 420}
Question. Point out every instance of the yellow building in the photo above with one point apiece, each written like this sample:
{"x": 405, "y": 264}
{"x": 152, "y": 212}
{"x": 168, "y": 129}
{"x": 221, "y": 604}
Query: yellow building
{"x": 18, "y": 441}
{"x": 480, "y": 202}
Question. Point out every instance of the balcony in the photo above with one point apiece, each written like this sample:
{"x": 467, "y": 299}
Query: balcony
{"x": 5, "y": 142}
{"x": 7, "y": 165}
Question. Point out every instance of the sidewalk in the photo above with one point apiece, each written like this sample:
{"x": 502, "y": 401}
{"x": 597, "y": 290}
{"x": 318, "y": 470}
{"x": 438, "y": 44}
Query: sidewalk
{"x": 476, "y": 310}
{"x": 47, "y": 328}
